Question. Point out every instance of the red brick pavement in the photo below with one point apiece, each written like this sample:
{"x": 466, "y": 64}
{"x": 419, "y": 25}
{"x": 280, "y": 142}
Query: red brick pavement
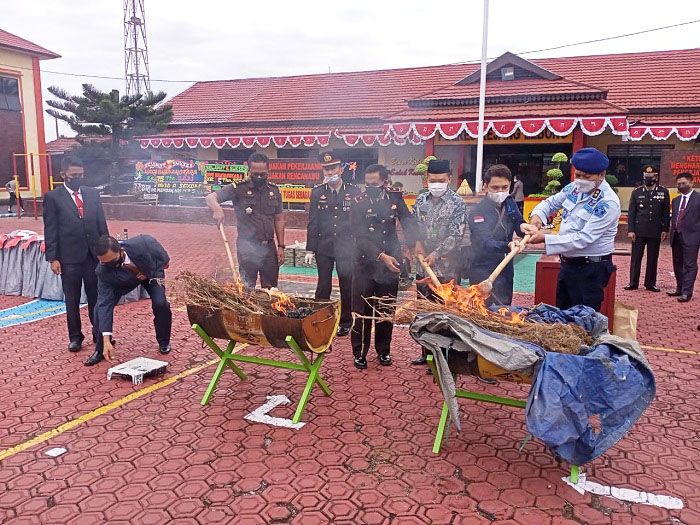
{"x": 364, "y": 455}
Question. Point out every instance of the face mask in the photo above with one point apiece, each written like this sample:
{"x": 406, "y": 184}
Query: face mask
{"x": 497, "y": 196}
{"x": 584, "y": 186}
{"x": 332, "y": 179}
{"x": 374, "y": 191}
{"x": 115, "y": 263}
{"x": 259, "y": 180}
{"x": 683, "y": 188}
{"x": 437, "y": 188}
{"x": 649, "y": 181}
{"x": 74, "y": 183}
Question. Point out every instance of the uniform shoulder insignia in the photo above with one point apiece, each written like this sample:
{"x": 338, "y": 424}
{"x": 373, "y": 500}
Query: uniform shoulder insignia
{"x": 272, "y": 184}
{"x": 394, "y": 189}
{"x": 596, "y": 193}
{"x": 361, "y": 197}
{"x": 601, "y": 209}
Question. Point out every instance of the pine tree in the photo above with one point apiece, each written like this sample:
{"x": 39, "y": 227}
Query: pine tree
{"x": 117, "y": 119}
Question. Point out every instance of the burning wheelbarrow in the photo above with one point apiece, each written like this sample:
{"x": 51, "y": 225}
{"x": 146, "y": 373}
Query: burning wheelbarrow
{"x": 259, "y": 317}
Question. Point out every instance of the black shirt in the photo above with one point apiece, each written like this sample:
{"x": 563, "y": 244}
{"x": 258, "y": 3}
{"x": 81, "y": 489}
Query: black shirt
{"x": 329, "y": 231}
{"x": 649, "y": 211}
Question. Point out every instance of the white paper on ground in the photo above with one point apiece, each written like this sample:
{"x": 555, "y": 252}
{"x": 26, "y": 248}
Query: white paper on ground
{"x": 55, "y": 452}
{"x": 260, "y": 414}
{"x": 631, "y": 495}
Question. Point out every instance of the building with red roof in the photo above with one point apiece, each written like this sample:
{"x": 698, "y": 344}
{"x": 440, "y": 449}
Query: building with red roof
{"x": 632, "y": 106}
{"x": 22, "y": 143}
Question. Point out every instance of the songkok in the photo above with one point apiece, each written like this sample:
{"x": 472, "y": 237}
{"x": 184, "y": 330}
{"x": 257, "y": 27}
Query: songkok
{"x": 439, "y": 166}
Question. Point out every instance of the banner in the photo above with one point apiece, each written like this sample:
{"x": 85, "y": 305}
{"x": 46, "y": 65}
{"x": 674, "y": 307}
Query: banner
{"x": 674, "y": 161}
{"x": 168, "y": 176}
{"x": 305, "y": 172}
{"x": 218, "y": 173}
{"x": 291, "y": 193}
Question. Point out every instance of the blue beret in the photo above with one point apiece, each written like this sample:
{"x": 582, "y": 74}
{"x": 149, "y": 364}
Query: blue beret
{"x": 590, "y": 160}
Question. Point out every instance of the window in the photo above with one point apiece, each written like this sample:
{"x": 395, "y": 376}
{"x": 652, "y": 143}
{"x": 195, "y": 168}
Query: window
{"x": 9, "y": 94}
{"x": 627, "y": 162}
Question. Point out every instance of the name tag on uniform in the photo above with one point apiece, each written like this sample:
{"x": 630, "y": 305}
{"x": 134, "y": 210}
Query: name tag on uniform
{"x": 478, "y": 219}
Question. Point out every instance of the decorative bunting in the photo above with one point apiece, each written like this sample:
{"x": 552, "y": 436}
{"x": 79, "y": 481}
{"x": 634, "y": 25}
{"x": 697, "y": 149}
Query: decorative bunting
{"x": 532, "y": 127}
{"x": 504, "y": 128}
{"x": 220, "y": 142}
{"x": 593, "y": 126}
{"x": 425, "y": 131}
{"x": 561, "y": 127}
{"x": 263, "y": 141}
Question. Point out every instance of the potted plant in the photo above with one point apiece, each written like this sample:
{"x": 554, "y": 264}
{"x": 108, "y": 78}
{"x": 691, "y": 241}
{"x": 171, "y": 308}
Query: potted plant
{"x": 553, "y": 185}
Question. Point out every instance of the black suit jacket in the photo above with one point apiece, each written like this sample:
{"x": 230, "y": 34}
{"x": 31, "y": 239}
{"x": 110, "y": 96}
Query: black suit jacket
{"x": 329, "y": 231}
{"x": 690, "y": 225}
{"x": 148, "y": 255}
{"x": 69, "y": 238}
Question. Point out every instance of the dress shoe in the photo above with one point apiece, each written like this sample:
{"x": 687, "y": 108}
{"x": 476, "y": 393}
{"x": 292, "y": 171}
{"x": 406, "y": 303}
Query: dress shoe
{"x": 631, "y": 287}
{"x": 343, "y": 331}
{"x": 653, "y": 288}
{"x": 385, "y": 360}
{"x": 420, "y": 361}
{"x": 683, "y": 298}
{"x": 360, "y": 362}
{"x": 675, "y": 293}
{"x": 74, "y": 346}
{"x": 95, "y": 358}
{"x": 164, "y": 349}
{"x": 488, "y": 380}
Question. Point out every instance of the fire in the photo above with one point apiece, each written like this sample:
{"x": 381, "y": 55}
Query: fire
{"x": 283, "y": 302}
{"x": 469, "y": 299}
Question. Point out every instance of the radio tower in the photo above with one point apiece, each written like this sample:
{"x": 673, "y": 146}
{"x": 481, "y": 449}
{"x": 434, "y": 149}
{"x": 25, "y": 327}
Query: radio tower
{"x": 135, "y": 49}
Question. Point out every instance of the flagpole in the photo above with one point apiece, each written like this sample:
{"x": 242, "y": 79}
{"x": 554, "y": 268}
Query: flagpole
{"x": 482, "y": 98}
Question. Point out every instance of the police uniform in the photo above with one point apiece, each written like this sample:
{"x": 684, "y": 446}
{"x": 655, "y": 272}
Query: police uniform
{"x": 374, "y": 225}
{"x": 330, "y": 237}
{"x": 492, "y": 226}
{"x": 649, "y": 215}
{"x": 256, "y": 208}
{"x": 586, "y": 238}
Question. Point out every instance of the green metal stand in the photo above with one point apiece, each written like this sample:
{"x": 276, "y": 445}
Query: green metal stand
{"x": 476, "y": 396}
{"x": 230, "y": 354}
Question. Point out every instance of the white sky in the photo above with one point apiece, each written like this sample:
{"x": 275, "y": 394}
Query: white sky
{"x": 220, "y": 39}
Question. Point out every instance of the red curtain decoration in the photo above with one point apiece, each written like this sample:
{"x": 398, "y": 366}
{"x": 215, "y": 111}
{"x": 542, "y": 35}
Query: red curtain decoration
{"x": 415, "y": 133}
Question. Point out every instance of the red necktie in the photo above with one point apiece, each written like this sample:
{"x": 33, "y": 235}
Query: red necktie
{"x": 79, "y": 204}
{"x": 681, "y": 213}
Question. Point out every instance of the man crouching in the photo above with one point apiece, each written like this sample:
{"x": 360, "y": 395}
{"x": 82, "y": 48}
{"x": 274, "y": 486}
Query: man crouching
{"x": 139, "y": 261}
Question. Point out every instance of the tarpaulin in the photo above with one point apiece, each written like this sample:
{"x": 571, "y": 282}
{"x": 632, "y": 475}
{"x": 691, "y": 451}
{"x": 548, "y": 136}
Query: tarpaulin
{"x": 611, "y": 380}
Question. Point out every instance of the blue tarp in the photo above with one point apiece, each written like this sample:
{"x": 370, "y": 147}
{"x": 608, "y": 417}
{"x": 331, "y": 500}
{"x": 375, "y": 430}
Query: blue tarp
{"x": 569, "y": 390}
{"x": 579, "y": 405}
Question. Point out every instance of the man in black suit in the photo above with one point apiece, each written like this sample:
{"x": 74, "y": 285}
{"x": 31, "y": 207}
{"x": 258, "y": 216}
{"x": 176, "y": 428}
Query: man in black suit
{"x": 329, "y": 236}
{"x": 685, "y": 237}
{"x": 141, "y": 260}
{"x": 73, "y": 221}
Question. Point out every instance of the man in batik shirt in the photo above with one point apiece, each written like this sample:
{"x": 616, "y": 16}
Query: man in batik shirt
{"x": 442, "y": 216}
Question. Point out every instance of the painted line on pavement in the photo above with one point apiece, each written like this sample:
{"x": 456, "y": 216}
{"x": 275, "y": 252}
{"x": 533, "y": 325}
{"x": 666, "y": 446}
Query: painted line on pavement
{"x": 664, "y": 349}
{"x": 31, "y": 311}
{"x": 4, "y": 454}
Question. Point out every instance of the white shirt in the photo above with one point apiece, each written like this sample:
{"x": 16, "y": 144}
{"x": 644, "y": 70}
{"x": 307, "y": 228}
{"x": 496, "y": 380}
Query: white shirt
{"x": 589, "y": 221}
{"x": 72, "y": 195}
{"x": 126, "y": 261}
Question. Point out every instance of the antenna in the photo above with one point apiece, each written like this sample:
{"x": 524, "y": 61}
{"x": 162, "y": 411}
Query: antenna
{"x": 135, "y": 49}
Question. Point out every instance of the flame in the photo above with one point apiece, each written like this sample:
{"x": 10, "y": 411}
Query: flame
{"x": 283, "y": 302}
{"x": 469, "y": 299}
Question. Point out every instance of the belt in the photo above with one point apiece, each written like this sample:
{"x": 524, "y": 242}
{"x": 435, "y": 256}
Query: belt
{"x": 585, "y": 260}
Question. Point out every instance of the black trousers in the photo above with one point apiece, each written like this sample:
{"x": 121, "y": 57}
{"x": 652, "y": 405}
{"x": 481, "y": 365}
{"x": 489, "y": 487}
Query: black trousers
{"x": 162, "y": 315}
{"x": 73, "y": 276}
{"x": 583, "y": 284}
{"x": 343, "y": 266}
{"x": 365, "y": 286}
{"x": 685, "y": 264}
{"x": 653, "y": 246}
{"x": 13, "y": 200}
{"x": 255, "y": 258}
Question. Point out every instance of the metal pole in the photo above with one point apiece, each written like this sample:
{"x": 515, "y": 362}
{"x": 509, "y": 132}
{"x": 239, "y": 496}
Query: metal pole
{"x": 33, "y": 185}
{"x": 136, "y": 47}
{"x": 482, "y": 98}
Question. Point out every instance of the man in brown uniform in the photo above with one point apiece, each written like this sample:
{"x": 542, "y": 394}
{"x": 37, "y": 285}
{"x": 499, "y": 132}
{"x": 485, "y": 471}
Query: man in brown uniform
{"x": 258, "y": 205}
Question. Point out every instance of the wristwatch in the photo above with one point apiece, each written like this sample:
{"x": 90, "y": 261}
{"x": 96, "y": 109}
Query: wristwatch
{"x": 281, "y": 246}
